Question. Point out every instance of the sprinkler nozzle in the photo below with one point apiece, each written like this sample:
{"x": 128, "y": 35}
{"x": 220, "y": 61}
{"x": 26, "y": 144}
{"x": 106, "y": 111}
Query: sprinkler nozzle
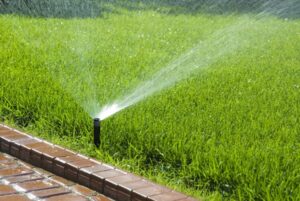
{"x": 97, "y": 126}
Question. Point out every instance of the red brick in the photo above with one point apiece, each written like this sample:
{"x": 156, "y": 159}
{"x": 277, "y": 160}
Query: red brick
{"x": 83, "y": 190}
{"x": 68, "y": 159}
{"x": 72, "y": 168}
{"x": 111, "y": 184}
{"x": 109, "y": 174}
{"x": 6, "y": 132}
{"x": 15, "y": 146}
{"x": 62, "y": 181}
{"x": 143, "y": 193}
{"x": 68, "y": 197}
{"x": 60, "y": 162}
{"x": 100, "y": 198}
{"x": 35, "y": 144}
{"x": 96, "y": 184}
{"x": 49, "y": 193}
{"x": 58, "y": 168}
{"x": 81, "y": 163}
{"x": 84, "y": 175}
{"x": 26, "y": 165}
{"x": 8, "y": 139}
{"x": 4, "y": 147}
{"x": 125, "y": 190}
{"x": 96, "y": 168}
{"x": 59, "y": 152}
{"x": 24, "y": 154}
{"x": 24, "y": 178}
{"x": 6, "y": 190}
{"x": 3, "y": 129}
{"x": 14, "y": 137}
{"x": 123, "y": 179}
{"x": 49, "y": 156}
{"x": 25, "y": 148}
{"x": 97, "y": 179}
{"x": 36, "y": 185}
{"x": 29, "y": 141}
{"x": 8, "y": 164}
{"x": 36, "y": 153}
{"x": 14, "y": 198}
{"x": 43, "y": 172}
{"x": 2, "y": 157}
{"x": 14, "y": 172}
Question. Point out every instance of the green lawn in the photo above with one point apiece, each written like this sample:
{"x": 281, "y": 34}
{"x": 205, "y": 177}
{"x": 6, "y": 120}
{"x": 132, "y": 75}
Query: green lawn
{"x": 230, "y": 131}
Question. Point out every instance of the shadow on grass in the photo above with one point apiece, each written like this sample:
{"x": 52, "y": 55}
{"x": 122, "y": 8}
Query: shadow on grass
{"x": 96, "y": 8}
{"x": 54, "y": 8}
{"x": 280, "y": 8}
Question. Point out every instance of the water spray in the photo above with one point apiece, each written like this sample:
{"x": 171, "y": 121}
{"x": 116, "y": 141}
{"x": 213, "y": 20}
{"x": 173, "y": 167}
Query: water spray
{"x": 97, "y": 128}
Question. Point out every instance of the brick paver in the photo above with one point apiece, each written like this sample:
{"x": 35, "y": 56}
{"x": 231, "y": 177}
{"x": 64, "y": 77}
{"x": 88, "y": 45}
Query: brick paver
{"x": 50, "y": 192}
{"x": 17, "y": 171}
{"x": 52, "y": 173}
{"x": 14, "y": 198}
{"x": 6, "y": 190}
{"x": 22, "y": 182}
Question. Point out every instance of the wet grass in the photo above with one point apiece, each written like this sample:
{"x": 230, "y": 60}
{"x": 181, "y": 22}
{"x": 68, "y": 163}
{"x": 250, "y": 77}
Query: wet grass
{"x": 230, "y": 131}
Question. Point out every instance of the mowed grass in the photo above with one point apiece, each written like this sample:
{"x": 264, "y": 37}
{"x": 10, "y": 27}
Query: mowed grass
{"x": 231, "y": 131}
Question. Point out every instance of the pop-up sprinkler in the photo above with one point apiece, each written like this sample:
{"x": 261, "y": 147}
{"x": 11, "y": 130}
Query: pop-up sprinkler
{"x": 97, "y": 126}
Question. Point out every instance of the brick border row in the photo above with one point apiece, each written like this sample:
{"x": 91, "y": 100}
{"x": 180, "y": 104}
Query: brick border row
{"x": 24, "y": 182}
{"x": 103, "y": 178}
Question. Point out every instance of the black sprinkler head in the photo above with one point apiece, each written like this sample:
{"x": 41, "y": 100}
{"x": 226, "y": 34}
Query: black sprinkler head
{"x": 97, "y": 126}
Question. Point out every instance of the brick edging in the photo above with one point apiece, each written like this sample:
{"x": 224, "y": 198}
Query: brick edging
{"x": 106, "y": 179}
